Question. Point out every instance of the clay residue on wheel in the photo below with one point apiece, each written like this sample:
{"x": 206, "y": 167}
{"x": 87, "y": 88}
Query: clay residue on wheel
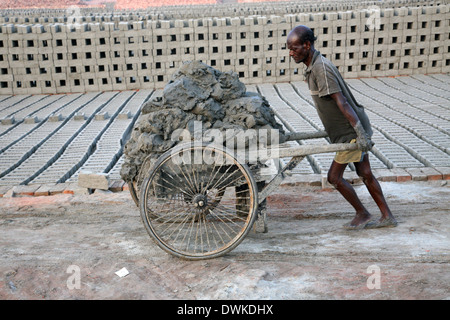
{"x": 196, "y": 92}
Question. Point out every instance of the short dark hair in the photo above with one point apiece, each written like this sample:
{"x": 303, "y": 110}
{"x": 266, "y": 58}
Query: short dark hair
{"x": 304, "y": 34}
{"x": 307, "y": 35}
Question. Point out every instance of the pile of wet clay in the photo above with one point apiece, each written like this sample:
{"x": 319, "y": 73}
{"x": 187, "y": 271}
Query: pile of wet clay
{"x": 196, "y": 93}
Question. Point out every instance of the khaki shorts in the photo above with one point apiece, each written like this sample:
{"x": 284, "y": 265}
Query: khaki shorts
{"x": 344, "y": 157}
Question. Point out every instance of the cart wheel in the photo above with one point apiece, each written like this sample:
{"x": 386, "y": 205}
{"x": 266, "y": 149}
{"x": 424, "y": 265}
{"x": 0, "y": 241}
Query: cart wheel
{"x": 198, "y": 202}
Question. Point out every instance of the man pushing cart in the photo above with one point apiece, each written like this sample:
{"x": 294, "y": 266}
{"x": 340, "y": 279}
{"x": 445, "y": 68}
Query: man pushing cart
{"x": 199, "y": 198}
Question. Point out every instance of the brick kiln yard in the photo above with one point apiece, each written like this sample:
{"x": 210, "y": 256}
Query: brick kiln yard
{"x": 70, "y": 94}
{"x": 305, "y": 255}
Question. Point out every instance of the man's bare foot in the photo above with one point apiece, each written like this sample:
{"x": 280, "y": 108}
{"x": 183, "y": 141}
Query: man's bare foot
{"x": 383, "y": 222}
{"x": 358, "y": 222}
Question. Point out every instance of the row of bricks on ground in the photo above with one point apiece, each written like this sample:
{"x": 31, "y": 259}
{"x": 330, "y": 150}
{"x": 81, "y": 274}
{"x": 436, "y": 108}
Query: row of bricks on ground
{"x": 101, "y": 116}
{"x": 402, "y": 83}
{"x": 385, "y": 175}
{"x": 53, "y": 189}
{"x": 392, "y": 175}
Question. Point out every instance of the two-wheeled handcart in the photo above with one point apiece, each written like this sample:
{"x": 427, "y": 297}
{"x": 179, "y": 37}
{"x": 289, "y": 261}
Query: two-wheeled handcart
{"x": 200, "y": 200}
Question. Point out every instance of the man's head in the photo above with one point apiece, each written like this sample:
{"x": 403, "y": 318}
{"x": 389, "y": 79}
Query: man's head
{"x": 300, "y": 42}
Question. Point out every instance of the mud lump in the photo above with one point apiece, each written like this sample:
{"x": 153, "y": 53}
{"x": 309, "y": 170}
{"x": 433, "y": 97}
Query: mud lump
{"x": 196, "y": 92}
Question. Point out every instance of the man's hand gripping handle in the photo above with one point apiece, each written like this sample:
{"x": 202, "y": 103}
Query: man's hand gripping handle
{"x": 363, "y": 140}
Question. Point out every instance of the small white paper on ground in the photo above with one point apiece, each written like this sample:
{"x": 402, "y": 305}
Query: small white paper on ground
{"x": 122, "y": 272}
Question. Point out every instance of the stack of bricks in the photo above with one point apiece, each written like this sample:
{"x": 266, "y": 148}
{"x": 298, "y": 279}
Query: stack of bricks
{"x": 177, "y": 11}
{"x": 63, "y": 56}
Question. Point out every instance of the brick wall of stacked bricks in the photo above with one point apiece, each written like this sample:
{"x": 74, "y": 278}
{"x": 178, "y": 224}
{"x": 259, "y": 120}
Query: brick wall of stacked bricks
{"x": 176, "y": 9}
{"x": 39, "y": 55}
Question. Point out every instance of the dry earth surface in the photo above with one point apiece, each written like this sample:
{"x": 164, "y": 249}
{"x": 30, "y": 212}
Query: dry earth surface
{"x": 305, "y": 255}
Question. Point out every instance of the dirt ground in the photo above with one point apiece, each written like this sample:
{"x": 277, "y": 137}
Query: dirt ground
{"x": 47, "y": 241}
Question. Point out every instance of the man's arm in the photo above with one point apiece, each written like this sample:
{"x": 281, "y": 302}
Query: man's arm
{"x": 345, "y": 108}
{"x": 363, "y": 140}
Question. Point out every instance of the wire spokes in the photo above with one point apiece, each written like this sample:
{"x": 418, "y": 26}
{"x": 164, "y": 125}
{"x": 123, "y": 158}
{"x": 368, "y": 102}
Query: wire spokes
{"x": 198, "y": 210}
